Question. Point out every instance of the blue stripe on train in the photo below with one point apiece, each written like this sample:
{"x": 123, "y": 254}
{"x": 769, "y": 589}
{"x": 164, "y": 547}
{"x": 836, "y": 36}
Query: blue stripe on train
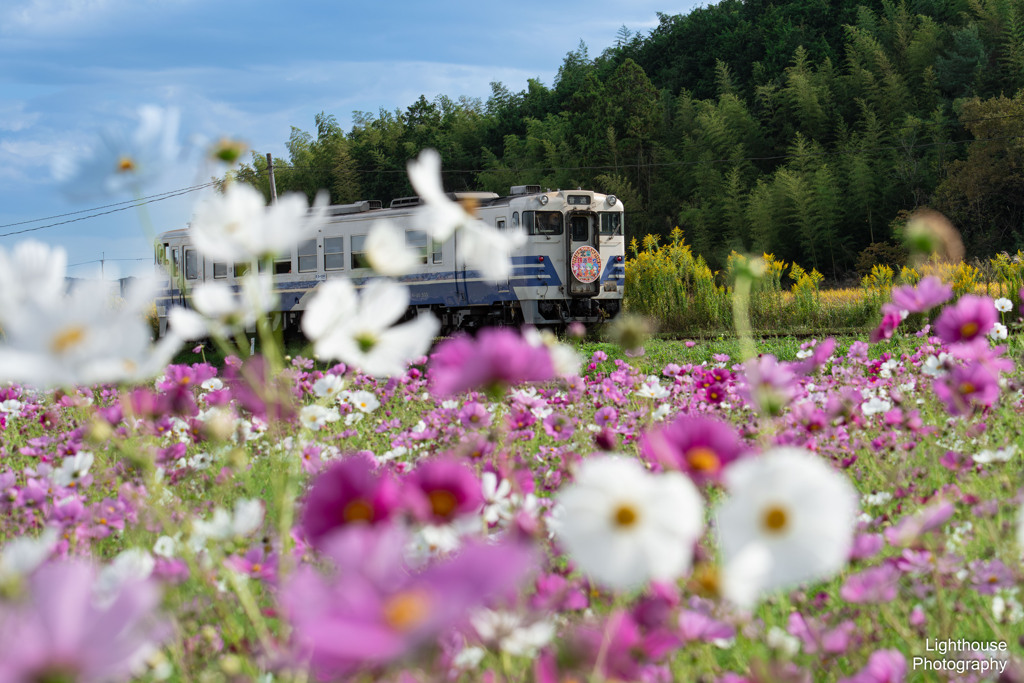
{"x": 440, "y": 288}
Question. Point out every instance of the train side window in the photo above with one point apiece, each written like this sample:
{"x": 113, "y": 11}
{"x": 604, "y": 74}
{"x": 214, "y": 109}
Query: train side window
{"x": 307, "y": 256}
{"x": 436, "y": 251}
{"x": 359, "y": 252}
{"x": 418, "y": 240}
{"x": 546, "y": 223}
{"x": 611, "y": 223}
{"x": 515, "y": 219}
{"x": 220, "y": 270}
{"x": 282, "y": 266}
{"x": 500, "y": 223}
{"x": 334, "y": 253}
{"x": 191, "y": 265}
{"x": 175, "y": 268}
{"x": 241, "y": 269}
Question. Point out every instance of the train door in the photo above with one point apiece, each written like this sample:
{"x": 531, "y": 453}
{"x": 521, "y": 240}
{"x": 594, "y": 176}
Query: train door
{"x": 582, "y": 254}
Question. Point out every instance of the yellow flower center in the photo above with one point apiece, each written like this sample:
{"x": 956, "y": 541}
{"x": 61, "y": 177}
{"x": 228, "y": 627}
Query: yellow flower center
{"x": 357, "y": 511}
{"x": 469, "y": 205}
{"x": 703, "y": 459}
{"x": 967, "y": 388}
{"x": 366, "y": 341}
{"x": 68, "y": 337}
{"x": 625, "y": 516}
{"x": 442, "y": 502}
{"x": 969, "y": 329}
{"x": 775, "y": 519}
{"x": 125, "y": 165}
{"x": 406, "y": 610}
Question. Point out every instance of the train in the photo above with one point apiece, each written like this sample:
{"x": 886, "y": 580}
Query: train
{"x": 569, "y": 268}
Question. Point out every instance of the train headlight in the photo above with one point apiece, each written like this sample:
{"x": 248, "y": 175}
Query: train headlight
{"x": 543, "y": 199}
{"x": 612, "y": 199}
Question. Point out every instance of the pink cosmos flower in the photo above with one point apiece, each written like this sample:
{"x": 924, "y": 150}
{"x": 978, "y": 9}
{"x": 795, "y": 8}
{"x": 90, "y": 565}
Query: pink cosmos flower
{"x": 970, "y": 318}
{"x": 910, "y": 528}
{"x": 968, "y": 387}
{"x": 874, "y": 585}
{"x": 497, "y": 358}
{"x": 891, "y": 318}
{"x": 442, "y": 489}
{"x": 817, "y": 637}
{"x": 700, "y": 446}
{"x": 884, "y": 666}
{"x": 60, "y": 633}
{"x": 348, "y": 492}
{"x": 770, "y": 385}
{"x": 929, "y": 293}
{"x": 372, "y": 610}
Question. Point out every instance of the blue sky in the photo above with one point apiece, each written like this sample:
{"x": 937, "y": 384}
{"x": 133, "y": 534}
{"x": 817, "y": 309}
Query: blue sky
{"x": 70, "y": 69}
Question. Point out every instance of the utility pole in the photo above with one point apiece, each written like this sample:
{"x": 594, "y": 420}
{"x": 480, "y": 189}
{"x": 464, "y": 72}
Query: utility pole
{"x": 273, "y": 185}
{"x": 103, "y": 258}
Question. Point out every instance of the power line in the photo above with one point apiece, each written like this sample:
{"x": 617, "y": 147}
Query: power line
{"x": 135, "y": 202}
{"x": 168, "y": 195}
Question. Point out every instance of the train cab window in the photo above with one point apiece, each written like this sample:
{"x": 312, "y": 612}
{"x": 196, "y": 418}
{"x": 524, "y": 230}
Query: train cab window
{"x": 580, "y": 228}
{"x": 500, "y": 223}
{"x": 334, "y": 253}
{"x": 611, "y": 223}
{"x": 307, "y": 256}
{"x": 515, "y": 219}
{"x": 417, "y": 240}
{"x": 359, "y": 252}
{"x": 241, "y": 269}
{"x": 544, "y": 222}
{"x": 282, "y": 266}
{"x": 191, "y": 264}
{"x": 220, "y": 270}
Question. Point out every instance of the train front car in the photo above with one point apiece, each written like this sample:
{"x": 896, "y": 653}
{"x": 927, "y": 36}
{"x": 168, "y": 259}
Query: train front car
{"x": 572, "y": 267}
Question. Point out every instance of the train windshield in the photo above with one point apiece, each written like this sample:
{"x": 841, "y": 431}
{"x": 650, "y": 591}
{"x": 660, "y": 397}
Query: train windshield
{"x": 611, "y": 223}
{"x": 543, "y": 222}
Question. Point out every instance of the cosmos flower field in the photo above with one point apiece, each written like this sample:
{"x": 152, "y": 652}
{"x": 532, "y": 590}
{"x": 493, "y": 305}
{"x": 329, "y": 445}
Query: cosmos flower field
{"x": 389, "y": 506}
{"x": 443, "y": 525}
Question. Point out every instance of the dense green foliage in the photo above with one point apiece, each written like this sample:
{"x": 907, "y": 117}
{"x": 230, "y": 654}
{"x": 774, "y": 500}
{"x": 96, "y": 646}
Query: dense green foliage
{"x": 803, "y": 129}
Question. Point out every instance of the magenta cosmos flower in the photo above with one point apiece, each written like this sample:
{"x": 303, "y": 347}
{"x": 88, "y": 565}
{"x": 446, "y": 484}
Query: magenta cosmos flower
{"x": 700, "y": 446}
{"x": 929, "y": 293}
{"x": 891, "y": 318}
{"x": 968, "y": 387}
{"x": 348, "y": 492}
{"x": 497, "y": 358}
{"x": 59, "y": 632}
{"x": 373, "y": 611}
{"x": 970, "y": 318}
{"x": 442, "y": 489}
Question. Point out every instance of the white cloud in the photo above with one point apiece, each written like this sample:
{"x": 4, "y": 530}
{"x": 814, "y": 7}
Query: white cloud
{"x": 18, "y": 17}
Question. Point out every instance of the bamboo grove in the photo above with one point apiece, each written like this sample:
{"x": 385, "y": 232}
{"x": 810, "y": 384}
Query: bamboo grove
{"x": 808, "y": 130}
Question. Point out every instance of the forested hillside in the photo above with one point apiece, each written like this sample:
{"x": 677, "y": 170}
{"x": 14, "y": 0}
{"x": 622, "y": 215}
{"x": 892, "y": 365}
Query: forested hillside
{"x": 805, "y": 128}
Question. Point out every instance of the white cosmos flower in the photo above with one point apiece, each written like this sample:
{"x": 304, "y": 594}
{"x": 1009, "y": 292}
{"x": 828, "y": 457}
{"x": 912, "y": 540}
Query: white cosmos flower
{"x": 360, "y": 330}
{"x": 875, "y": 405}
{"x": 999, "y": 455}
{"x": 73, "y": 468}
{"x": 123, "y": 163}
{"x": 31, "y": 276}
{"x": 440, "y": 215}
{"x": 328, "y": 386}
{"x": 481, "y": 247}
{"x": 625, "y": 526}
{"x": 510, "y": 632}
{"x": 1003, "y": 305}
{"x": 315, "y": 418}
{"x": 387, "y": 251}
{"x": 219, "y": 313}
{"x": 238, "y": 225}
{"x": 22, "y": 555}
{"x": 789, "y": 518}
{"x": 134, "y": 564}
{"x": 247, "y": 518}
{"x": 362, "y": 400}
{"x": 999, "y": 332}
{"x": 83, "y": 337}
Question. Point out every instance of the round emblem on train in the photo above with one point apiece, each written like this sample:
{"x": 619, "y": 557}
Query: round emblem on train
{"x": 586, "y": 264}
